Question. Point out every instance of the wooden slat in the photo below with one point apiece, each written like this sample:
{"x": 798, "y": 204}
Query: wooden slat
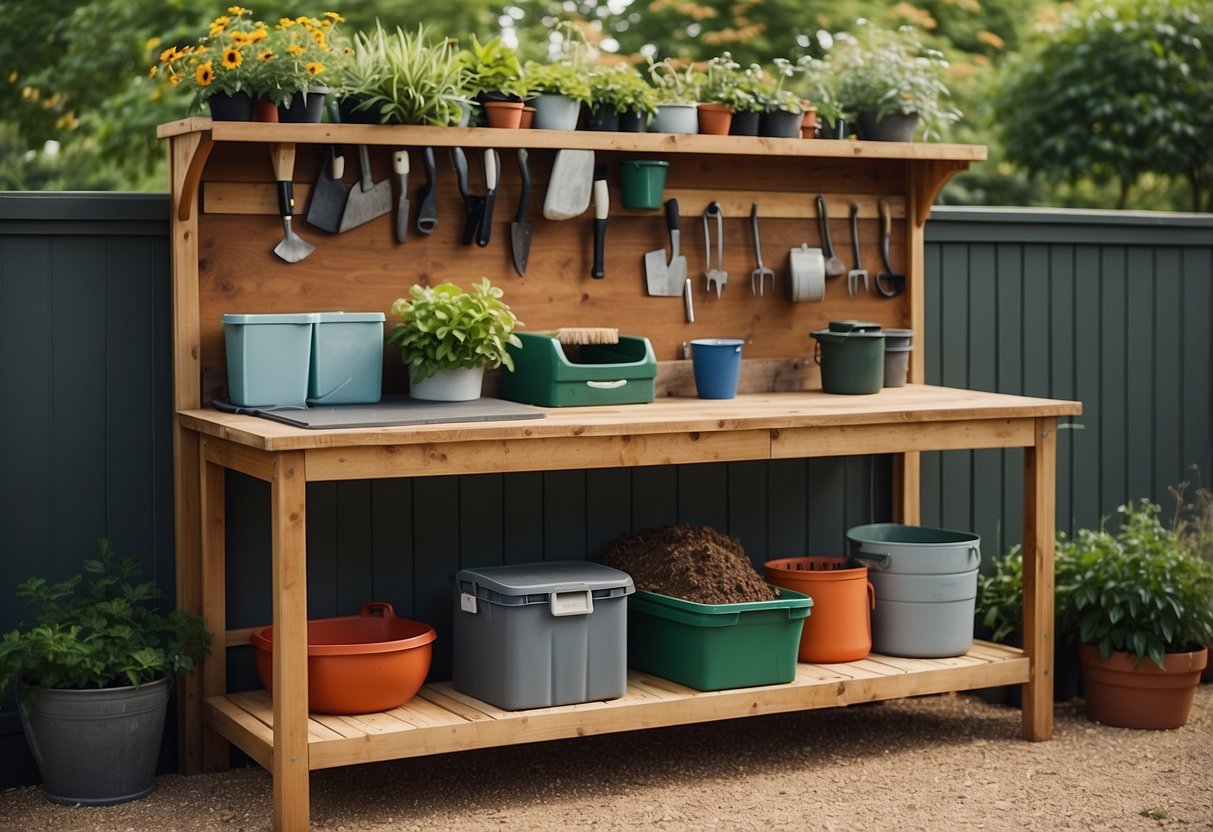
{"x": 795, "y": 443}
{"x": 1039, "y": 520}
{"x": 441, "y": 719}
{"x": 236, "y": 723}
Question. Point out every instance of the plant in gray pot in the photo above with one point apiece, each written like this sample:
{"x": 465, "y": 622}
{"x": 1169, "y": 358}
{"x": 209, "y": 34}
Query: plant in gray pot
{"x": 677, "y": 97}
{"x": 92, "y": 673}
{"x": 892, "y": 82}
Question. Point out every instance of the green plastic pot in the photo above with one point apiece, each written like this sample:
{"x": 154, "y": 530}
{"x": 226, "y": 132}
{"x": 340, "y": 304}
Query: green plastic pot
{"x": 851, "y": 356}
{"x": 643, "y": 183}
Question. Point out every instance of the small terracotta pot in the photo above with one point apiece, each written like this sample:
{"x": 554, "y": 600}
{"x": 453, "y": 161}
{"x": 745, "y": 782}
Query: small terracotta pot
{"x": 1124, "y": 694}
{"x": 808, "y": 124}
{"x": 528, "y": 118}
{"x": 715, "y": 119}
{"x": 503, "y": 113}
{"x": 265, "y": 110}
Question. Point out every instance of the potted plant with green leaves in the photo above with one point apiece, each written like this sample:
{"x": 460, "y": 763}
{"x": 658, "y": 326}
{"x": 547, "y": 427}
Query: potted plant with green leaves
{"x": 818, "y": 86}
{"x": 782, "y": 111}
{"x": 448, "y": 337}
{"x": 893, "y": 83}
{"x": 362, "y": 79}
{"x": 722, "y": 93}
{"x": 749, "y": 104}
{"x": 421, "y": 82}
{"x": 1140, "y": 603}
{"x": 677, "y": 96}
{"x": 557, "y": 91}
{"x": 92, "y": 670}
{"x": 493, "y": 77}
{"x": 296, "y": 63}
{"x": 620, "y": 99}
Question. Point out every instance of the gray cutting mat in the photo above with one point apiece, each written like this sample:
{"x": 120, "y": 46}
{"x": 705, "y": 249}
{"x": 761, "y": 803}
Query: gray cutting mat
{"x": 401, "y": 410}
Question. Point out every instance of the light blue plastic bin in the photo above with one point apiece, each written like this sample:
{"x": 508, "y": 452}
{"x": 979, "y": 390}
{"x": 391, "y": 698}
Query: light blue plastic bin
{"x": 268, "y": 358}
{"x": 347, "y": 358}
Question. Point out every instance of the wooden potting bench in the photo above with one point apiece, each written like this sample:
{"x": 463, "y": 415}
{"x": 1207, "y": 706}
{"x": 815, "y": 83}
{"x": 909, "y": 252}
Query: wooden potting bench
{"x": 225, "y": 226}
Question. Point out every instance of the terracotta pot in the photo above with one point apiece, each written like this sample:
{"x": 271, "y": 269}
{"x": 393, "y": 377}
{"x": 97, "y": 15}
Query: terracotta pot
{"x": 528, "y": 118}
{"x": 503, "y": 113}
{"x": 1124, "y": 694}
{"x": 808, "y": 124}
{"x": 715, "y": 119}
{"x": 265, "y": 110}
{"x": 839, "y": 628}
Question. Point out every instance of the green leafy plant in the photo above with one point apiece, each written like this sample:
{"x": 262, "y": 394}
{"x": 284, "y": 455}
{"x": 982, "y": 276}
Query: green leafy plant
{"x": 892, "y": 71}
{"x": 492, "y": 67}
{"x": 1140, "y": 591}
{"x": 819, "y": 84}
{"x": 423, "y": 83}
{"x": 674, "y": 84}
{"x": 624, "y": 88}
{"x": 1192, "y": 521}
{"x": 444, "y": 328}
{"x": 775, "y": 94}
{"x": 724, "y": 82}
{"x": 99, "y": 629}
{"x": 297, "y": 56}
{"x": 557, "y": 79}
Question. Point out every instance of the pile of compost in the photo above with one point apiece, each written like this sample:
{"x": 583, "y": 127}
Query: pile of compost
{"x": 695, "y": 563}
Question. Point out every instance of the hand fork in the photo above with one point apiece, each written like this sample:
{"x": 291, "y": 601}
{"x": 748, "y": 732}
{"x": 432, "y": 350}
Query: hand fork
{"x": 759, "y": 275}
{"x": 716, "y": 275}
{"x": 857, "y": 274}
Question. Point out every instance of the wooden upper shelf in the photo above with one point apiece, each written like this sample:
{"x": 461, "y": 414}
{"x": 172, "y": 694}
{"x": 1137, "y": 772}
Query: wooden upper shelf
{"x": 412, "y": 136}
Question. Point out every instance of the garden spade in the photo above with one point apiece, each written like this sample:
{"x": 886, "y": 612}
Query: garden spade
{"x": 329, "y": 193}
{"x": 293, "y": 248}
{"x": 520, "y": 228}
{"x": 368, "y": 199}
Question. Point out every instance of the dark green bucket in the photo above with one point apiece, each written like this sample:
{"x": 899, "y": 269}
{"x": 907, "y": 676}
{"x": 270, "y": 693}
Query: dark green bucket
{"x": 642, "y": 182}
{"x": 851, "y": 356}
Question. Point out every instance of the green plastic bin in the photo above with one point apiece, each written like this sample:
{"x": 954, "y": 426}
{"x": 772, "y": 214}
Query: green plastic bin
{"x": 545, "y": 375}
{"x": 347, "y": 358}
{"x": 717, "y": 646}
{"x": 268, "y": 357}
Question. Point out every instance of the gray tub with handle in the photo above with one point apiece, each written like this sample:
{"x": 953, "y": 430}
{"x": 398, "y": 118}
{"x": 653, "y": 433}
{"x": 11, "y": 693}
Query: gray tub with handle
{"x": 926, "y": 587}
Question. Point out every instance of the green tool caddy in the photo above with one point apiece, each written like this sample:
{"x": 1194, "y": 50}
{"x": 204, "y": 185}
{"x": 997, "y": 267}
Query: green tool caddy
{"x": 549, "y": 375}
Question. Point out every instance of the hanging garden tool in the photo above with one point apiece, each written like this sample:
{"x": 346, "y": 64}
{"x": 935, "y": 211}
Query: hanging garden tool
{"x": 520, "y": 228}
{"x": 473, "y": 205}
{"x": 490, "y": 164}
{"x": 889, "y": 283}
{"x": 834, "y": 267}
{"x": 427, "y": 214}
{"x": 856, "y": 275}
{"x": 400, "y": 167}
{"x": 292, "y": 248}
{"x": 329, "y": 194}
{"x": 761, "y": 273}
{"x": 368, "y": 199}
{"x": 602, "y": 203}
{"x": 717, "y": 276}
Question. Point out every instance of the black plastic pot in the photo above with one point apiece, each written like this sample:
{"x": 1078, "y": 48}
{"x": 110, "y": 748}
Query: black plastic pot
{"x": 602, "y": 117}
{"x": 780, "y": 124}
{"x": 630, "y": 122}
{"x": 745, "y": 123}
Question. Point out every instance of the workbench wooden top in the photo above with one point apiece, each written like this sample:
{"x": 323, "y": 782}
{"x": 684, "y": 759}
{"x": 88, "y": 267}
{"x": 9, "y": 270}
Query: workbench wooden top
{"x": 899, "y": 406}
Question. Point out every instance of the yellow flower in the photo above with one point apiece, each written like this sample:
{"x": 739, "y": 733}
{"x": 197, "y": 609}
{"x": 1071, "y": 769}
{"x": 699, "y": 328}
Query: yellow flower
{"x": 265, "y": 55}
{"x": 295, "y": 49}
{"x": 334, "y": 17}
{"x": 232, "y": 58}
{"x": 258, "y": 35}
{"x": 175, "y": 80}
{"x": 285, "y": 22}
{"x": 318, "y": 36}
{"x": 204, "y": 74}
{"x": 238, "y": 10}
{"x": 241, "y": 38}
{"x": 218, "y": 25}
{"x": 314, "y": 68}
{"x": 151, "y": 73}
{"x": 169, "y": 55}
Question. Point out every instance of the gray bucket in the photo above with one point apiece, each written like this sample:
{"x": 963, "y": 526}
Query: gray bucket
{"x": 95, "y": 747}
{"x": 926, "y": 588}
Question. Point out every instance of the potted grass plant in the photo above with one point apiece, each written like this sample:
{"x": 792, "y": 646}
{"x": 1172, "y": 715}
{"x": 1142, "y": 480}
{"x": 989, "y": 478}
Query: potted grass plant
{"x": 1140, "y": 603}
{"x": 403, "y": 78}
{"x": 448, "y": 337}
{"x": 92, "y": 670}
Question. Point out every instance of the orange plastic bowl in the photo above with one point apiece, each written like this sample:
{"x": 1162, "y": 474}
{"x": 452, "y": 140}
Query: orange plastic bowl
{"x": 357, "y": 664}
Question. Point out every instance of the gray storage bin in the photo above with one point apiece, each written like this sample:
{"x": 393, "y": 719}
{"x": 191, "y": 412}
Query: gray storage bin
{"x": 536, "y": 635}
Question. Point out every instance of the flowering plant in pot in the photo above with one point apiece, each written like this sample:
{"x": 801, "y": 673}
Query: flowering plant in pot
{"x": 296, "y": 62}
{"x": 893, "y": 82}
{"x": 724, "y": 91}
{"x": 92, "y": 670}
{"x": 1138, "y": 595}
{"x": 443, "y": 328}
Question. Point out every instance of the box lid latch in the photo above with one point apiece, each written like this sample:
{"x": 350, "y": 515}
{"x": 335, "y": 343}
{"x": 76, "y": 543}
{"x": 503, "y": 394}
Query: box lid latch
{"x": 571, "y": 601}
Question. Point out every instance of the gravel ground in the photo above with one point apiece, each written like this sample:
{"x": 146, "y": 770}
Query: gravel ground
{"x": 940, "y": 762}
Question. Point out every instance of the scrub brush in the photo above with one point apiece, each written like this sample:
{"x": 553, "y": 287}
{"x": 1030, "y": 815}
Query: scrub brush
{"x": 584, "y": 335}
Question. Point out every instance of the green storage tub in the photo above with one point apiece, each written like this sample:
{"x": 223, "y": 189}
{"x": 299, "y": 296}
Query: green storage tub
{"x": 544, "y": 375}
{"x": 717, "y": 646}
{"x": 268, "y": 357}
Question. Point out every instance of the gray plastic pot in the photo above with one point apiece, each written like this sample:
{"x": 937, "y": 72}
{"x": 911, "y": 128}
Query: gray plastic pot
{"x": 95, "y": 747}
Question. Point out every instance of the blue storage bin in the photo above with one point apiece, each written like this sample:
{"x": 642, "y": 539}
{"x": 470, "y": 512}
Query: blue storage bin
{"x": 347, "y": 358}
{"x": 268, "y": 358}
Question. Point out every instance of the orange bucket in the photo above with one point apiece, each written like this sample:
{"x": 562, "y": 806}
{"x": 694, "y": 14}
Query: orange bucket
{"x": 840, "y": 629}
{"x": 357, "y": 664}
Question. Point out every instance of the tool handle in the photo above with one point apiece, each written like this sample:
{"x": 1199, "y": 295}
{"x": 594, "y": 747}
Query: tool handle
{"x": 671, "y": 214}
{"x": 286, "y": 198}
{"x": 490, "y": 169}
{"x": 599, "y": 243}
{"x": 602, "y": 199}
{"x": 855, "y": 232}
{"x": 689, "y": 300}
{"x": 524, "y": 197}
{"x": 823, "y": 217}
{"x": 336, "y": 163}
{"x": 400, "y": 162}
{"x": 754, "y": 228}
{"x": 886, "y": 217}
{"x": 282, "y": 155}
{"x": 460, "y": 161}
{"x": 364, "y": 159}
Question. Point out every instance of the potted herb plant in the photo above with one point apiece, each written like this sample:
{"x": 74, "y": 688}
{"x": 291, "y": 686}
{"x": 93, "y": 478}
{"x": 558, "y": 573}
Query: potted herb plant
{"x": 748, "y": 106}
{"x": 493, "y": 75}
{"x": 818, "y": 85}
{"x": 1140, "y": 603}
{"x": 92, "y": 672}
{"x": 362, "y": 78}
{"x": 448, "y": 336}
{"x": 782, "y": 110}
{"x": 677, "y": 97}
{"x": 893, "y": 83}
{"x": 557, "y": 91}
{"x": 621, "y": 89}
{"x": 722, "y": 92}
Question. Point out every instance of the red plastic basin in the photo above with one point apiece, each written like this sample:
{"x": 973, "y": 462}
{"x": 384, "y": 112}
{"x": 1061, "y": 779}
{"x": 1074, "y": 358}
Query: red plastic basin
{"x": 357, "y": 664}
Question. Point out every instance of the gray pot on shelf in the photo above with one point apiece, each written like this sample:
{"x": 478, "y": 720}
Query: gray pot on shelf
{"x": 675, "y": 118}
{"x": 96, "y": 746}
{"x": 892, "y": 127}
{"x": 555, "y": 112}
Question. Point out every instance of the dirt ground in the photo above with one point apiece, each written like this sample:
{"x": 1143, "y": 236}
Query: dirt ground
{"x": 939, "y": 762}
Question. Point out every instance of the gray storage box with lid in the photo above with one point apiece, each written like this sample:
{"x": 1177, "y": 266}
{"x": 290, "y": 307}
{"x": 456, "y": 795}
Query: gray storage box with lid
{"x": 541, "y": 634}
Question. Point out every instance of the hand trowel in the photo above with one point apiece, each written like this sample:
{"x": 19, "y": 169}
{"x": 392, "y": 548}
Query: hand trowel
{"x": 665, "y": 279}
{"x": 329, "y": 194}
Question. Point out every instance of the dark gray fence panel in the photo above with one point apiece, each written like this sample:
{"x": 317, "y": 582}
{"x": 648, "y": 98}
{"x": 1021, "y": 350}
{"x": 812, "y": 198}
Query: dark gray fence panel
{"x": 1111, "y": 309}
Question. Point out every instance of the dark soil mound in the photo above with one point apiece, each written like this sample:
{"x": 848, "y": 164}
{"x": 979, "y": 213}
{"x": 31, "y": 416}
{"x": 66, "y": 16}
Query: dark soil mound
{"x": 695, "y": 563}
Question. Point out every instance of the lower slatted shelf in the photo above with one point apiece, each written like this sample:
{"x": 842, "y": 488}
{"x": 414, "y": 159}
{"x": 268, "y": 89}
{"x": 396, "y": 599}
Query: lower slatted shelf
{"x": 440, "y": 719}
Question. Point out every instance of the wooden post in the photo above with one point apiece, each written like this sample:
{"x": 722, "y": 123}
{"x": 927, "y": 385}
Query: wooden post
{"x": 288, "y": 526}
{"x": 1039, "y": 520}
{"x": 214, "y": 751}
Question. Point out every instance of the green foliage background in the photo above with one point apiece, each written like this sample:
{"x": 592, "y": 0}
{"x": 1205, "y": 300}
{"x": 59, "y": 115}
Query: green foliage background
{"x": 74, "y": 73}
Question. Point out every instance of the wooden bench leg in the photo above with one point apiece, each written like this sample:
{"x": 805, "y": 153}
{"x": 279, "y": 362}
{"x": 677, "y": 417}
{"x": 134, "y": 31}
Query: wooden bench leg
{"x": 288, "y": 495}
{"x": 214, "y": 599}
{"x": 1039, "y": 531}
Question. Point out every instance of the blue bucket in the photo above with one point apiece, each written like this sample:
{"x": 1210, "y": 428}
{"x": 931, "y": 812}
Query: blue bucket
{"x": 717, "y": 363}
